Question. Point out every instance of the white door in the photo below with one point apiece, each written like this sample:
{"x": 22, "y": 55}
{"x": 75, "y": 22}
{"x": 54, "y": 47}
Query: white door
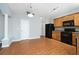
{"x": 24, "y": 29}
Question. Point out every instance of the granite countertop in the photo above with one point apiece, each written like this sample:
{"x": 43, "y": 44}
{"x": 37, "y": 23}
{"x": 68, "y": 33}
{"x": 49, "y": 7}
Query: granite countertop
{"x": 63, "y": 31}
{"x": 57, "y": 31}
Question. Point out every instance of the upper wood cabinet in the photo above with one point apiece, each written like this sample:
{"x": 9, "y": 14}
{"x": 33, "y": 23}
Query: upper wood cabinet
{"x": 76, "y": 19}
{"x": 58, "y": 22}
{"x": 68, "y": 17}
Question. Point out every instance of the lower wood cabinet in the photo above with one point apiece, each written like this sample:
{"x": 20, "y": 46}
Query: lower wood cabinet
{"x": 56, "y": 36}
{"x": 74, "y": 38}
{"x": 78, "y": 46}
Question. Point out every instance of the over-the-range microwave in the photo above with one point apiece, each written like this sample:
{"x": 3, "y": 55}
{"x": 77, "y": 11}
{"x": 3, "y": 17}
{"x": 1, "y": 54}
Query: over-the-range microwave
{"x": 69, "y": 23}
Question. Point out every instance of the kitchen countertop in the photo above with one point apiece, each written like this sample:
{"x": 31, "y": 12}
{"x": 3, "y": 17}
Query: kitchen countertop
{"x": 63, "y": 31}
{"x": 57, "y": 31}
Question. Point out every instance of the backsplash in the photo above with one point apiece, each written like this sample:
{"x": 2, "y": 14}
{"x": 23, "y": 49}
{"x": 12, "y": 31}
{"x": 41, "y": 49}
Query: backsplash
{"x": 62, "y": 29}
{"x": 59, "y": 29}
{"x": 77, "y": 29}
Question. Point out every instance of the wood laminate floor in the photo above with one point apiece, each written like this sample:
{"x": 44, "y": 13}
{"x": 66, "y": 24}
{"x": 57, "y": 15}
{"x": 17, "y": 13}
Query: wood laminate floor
{"x": 41, "y": 46}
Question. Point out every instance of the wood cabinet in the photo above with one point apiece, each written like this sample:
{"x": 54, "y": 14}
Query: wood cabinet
{"x": 68, "y": 17}
{"x": 76, "y": 19}
{"x": 58, "y": 22}
{"x": 56, "y": 35}
{"x": 78, "y": 44}
{"x": 74, "y": 38}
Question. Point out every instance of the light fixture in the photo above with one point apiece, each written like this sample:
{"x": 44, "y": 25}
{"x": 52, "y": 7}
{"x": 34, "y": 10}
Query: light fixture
{"x": 30, "y": 12}
{"x": 30, "y": 15}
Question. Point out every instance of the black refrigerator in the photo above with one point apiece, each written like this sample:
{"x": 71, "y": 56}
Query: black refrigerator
{"x": 48, "y": 30}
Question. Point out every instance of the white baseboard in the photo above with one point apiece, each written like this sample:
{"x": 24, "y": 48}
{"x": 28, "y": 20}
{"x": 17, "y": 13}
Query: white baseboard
{"x": 18, "y": 40}
{"x": 34, "y": 37}
{"x": 25, "y": 39}
{"x": 6, "y": 44}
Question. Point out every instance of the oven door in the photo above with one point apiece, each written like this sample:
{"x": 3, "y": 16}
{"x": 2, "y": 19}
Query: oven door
{"x": 66, "y": 37}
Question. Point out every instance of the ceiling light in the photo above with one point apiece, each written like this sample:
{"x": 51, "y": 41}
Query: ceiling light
{"x": 30, "y": 11}
{"x": 30, "y": 15}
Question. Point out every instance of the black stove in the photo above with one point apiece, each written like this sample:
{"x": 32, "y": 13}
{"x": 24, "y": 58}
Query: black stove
{"x": 66, "y": 35}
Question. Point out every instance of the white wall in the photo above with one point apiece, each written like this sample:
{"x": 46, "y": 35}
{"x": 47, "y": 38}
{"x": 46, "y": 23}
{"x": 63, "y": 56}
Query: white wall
{"x": 1, "y": 26}
{"x": 14, "y": 28}
{"x": 25, "y": 28}
{"x": 35, "y": 27}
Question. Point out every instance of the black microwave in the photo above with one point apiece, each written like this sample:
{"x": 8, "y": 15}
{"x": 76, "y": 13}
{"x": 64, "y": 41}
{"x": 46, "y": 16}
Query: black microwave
{"x": 69, "y": 23}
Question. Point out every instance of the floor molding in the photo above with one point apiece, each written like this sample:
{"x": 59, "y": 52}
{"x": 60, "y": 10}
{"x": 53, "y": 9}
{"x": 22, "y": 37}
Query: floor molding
{"x": 16, "y": 40}
{"x": 31, "y": 38}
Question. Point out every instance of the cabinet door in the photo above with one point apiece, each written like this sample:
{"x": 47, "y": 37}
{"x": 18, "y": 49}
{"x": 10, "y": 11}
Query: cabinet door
{"x": 78, "y": 44}
{"x": 56, "y": 36}
{"x": 76, "y": 19}
{"x": 74, "y": 38}
{"x": 58, "y": 22}
{"x": 68, "y": 17}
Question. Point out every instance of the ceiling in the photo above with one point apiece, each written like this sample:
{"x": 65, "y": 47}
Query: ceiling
{"x": 43, "y": 9}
